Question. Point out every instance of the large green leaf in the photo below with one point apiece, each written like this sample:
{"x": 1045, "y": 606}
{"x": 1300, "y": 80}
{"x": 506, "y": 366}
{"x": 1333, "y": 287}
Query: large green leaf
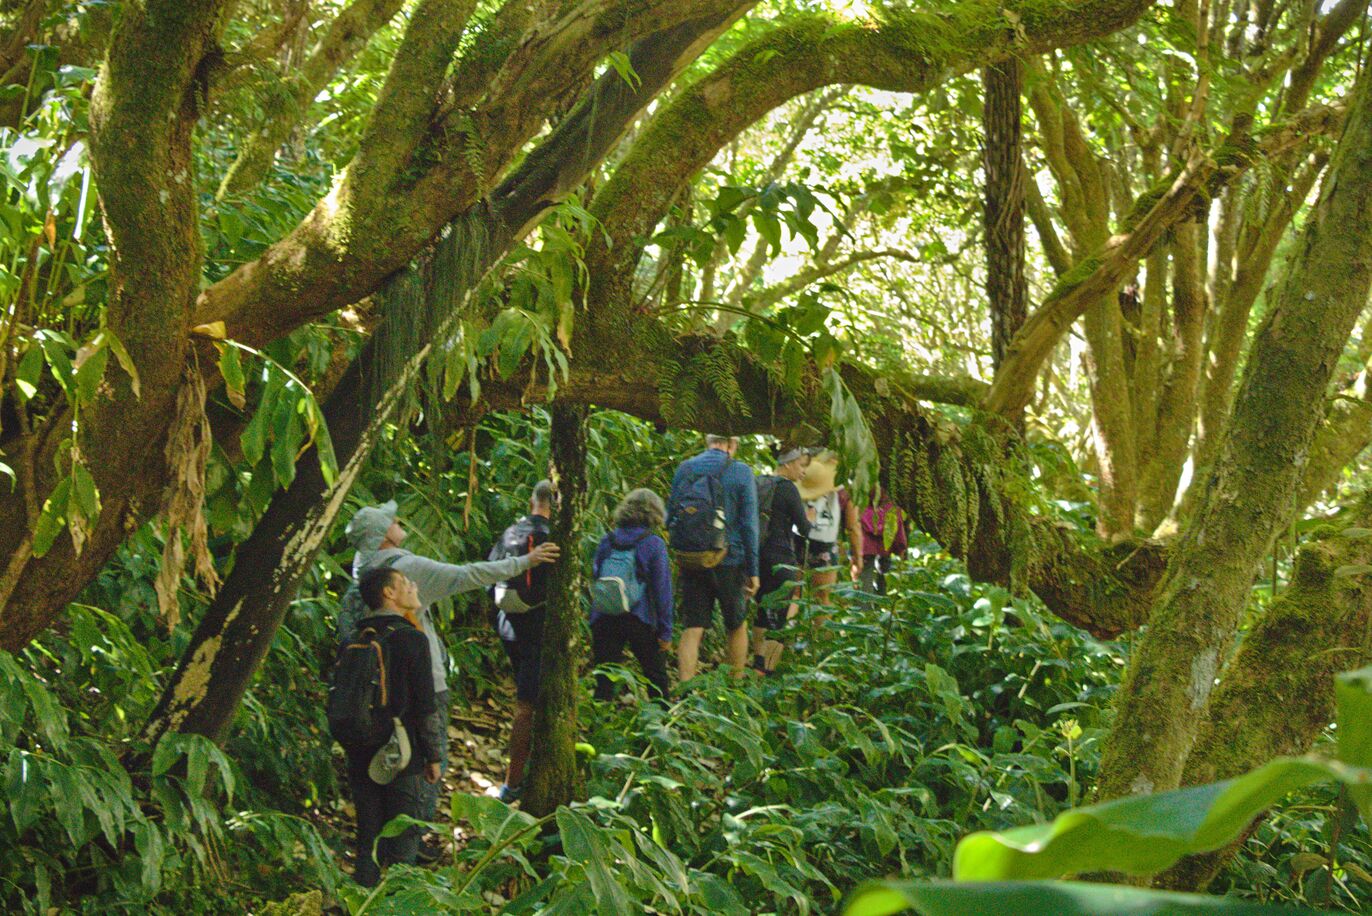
{"x": 1144, "y": 834}
{"x": 1353, "y": 690}
{"x": 584, "y": 844}
{"x": 1061, "y": 898}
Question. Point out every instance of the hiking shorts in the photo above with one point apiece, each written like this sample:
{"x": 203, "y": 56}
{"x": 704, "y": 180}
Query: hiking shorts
{"x": 774, "y": 595}
{"x": 816, "y": 554}
{"x": 526, "y": 653}
{"x": 702, "y": 588}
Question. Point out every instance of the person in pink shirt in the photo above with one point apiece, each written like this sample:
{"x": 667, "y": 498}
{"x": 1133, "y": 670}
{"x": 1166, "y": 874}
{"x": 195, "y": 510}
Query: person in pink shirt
{"x": 870, "y": 553}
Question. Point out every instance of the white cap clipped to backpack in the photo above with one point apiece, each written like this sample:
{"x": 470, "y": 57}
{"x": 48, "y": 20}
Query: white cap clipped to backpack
{"x": 391, "y": 758}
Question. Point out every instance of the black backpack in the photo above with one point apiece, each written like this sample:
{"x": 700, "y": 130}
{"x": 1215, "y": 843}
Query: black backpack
{"x": 697, "y": 532}
{"x": 358, "y": 707}
{"x": 766, "y": 494}
{"x": 517, "y": 595}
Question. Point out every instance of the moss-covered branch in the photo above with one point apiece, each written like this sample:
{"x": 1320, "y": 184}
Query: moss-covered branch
{"x": 1153, "y": 214}
{"x": 143, "y": 114}
{"x": 413, "y": 175}
{"x": 909, "y": 51}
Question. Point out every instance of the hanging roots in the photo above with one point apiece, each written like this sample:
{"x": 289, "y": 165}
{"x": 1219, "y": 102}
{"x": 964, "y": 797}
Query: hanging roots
{"x": 188, "y": 451}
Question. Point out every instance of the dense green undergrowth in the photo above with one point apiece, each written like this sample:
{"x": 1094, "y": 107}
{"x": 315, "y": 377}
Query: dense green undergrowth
{"x": 892, "y": 731}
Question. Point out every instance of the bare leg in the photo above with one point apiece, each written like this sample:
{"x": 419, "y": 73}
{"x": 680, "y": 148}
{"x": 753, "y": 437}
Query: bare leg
{"x": 688, "y": 653}
{"x": 737, "y": 652}
{"x": 521, "y": 730}
{"x": 759, "y": 641}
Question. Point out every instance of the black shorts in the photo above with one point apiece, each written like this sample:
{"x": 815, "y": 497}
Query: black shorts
{"x": 525, "y": 652}
{"x": 815, "y": 554}
{"x": 779, "y": 578}
{"x": 701, "y": 588}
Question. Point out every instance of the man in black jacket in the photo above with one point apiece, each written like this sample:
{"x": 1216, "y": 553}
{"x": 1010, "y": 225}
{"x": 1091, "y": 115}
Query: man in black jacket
{"x": 780, "y": 512}
{"x": 394, "y": 601}
{"x": 521, "y": 608}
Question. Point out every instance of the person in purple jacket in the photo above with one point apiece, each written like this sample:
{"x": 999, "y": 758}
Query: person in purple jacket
{"x": 647, "y": 628}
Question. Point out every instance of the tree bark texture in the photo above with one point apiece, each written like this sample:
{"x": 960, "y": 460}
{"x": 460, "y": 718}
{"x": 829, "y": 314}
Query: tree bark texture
{"x": 1266, "y": 448}
{"x": 1176, "y": 410}
{"x": 553, "y": 778}
{"x": 1007, "y": 290}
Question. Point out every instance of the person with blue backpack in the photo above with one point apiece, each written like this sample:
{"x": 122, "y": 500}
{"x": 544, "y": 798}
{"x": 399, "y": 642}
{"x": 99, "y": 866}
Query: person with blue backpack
{"x": 712, "y": 526}
{"x": 631, "y": 593}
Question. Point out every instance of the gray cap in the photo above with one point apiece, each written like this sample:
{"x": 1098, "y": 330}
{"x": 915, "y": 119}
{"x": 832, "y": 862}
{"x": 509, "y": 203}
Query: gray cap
{"x": 391, "y": 759}
{"x": 368, "y": 527}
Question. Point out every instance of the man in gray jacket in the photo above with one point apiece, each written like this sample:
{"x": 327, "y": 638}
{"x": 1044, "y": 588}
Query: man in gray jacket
{"x": 376, "y": 536}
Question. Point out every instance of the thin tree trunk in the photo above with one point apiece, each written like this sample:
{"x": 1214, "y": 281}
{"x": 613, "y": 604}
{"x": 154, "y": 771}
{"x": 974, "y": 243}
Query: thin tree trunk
{"x": 1003, "y": 212}
{"x": 553, "y": 778}
{"x": 1177, "y": 406}
{"x": 1112, "y": 420}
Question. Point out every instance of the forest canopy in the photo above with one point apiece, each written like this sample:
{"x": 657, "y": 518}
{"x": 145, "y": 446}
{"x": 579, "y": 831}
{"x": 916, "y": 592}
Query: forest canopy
{"x": 1080, "y": 287}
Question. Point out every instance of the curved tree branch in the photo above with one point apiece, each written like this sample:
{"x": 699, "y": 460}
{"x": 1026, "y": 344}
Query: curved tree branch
{"x": 1103, "y": 271}
{"x": 347, "y": 34}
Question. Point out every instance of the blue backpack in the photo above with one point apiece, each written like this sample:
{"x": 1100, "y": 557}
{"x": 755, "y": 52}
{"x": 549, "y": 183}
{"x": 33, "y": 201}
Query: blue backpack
{"x": 697, "y": 533}
{"x": 617, "y": 589}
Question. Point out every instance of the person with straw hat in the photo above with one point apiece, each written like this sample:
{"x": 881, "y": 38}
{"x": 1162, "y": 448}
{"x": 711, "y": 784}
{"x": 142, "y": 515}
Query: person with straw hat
{"x": 818, "y": 550}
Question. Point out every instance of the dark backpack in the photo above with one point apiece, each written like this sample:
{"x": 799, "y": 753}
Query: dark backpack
{"x": 358, "y": 707}
{"x": 697, "y": 532}
{"x": 766, "y": 495}
{"x": 517, "y": 595}
{"x": 351, "y": 607}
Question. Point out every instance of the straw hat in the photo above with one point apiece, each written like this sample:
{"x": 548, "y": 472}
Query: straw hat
{"x": 819, "y": 477}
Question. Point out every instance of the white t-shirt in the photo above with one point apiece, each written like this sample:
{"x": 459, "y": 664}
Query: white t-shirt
{"x": 828, "y": 519}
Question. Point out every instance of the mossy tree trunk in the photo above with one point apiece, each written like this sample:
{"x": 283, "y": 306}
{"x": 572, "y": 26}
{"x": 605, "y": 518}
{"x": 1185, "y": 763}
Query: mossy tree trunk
{"x": 1277, "y": 694}
{"x": 553, "y": 779}
{"x": 1191, "y": 629}
{"x": 1007, "y": 289}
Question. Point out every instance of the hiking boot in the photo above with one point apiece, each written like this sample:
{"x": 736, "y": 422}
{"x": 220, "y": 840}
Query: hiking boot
{"x": 430, "y": 850}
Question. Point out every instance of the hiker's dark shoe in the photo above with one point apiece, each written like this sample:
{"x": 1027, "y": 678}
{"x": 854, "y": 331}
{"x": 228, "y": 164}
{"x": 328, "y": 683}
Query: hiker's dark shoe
{"x": 430, "y": 850}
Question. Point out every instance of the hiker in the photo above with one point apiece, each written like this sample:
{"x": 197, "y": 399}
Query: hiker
{"x": 780, "y": 510}
{"x": 631, "y": 594}
{"x": 383, "y": 784}
{"x": 522, "y": 606}
{"x": 870, "y": 554}
{"x": 376, "y": 535}
{"x": 712, "y": 524}
{"x": 818, "y": 550}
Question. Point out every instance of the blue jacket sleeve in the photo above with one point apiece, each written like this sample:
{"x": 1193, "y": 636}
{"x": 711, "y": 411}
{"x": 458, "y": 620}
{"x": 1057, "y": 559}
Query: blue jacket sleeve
{"x": 747, "y": 516}
{"x": 660, "y": 578}
{"x": 672, "y": 496}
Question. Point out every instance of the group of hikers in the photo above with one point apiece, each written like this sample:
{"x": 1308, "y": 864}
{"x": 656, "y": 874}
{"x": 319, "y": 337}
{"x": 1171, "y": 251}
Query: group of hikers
{"x": 734, "y": 538}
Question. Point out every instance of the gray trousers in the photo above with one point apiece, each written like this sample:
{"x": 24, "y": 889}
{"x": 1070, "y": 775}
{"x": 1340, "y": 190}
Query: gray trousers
{"x": 437, "y": 726}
